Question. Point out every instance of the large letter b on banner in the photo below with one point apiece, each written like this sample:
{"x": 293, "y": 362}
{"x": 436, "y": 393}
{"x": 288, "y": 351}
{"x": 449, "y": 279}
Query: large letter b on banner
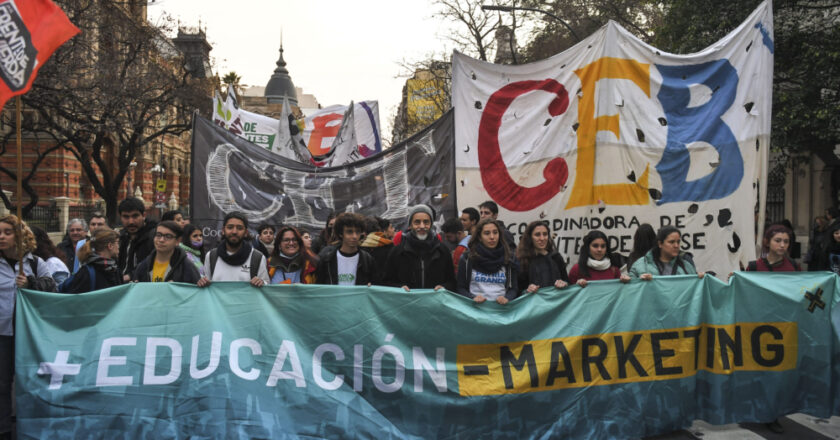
{"x": 494, "y": 174}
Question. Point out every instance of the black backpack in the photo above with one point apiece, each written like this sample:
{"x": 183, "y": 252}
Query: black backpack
{"x": 44, "y": 283}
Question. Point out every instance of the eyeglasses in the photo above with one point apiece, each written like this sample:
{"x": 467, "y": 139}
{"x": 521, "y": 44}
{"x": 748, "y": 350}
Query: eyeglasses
{"x": 289, "y": 240}
{"x": 164, "y": 236}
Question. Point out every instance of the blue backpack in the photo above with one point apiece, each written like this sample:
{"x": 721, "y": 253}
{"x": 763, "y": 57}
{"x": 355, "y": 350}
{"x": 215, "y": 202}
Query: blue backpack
{"x": 65, "y": 285}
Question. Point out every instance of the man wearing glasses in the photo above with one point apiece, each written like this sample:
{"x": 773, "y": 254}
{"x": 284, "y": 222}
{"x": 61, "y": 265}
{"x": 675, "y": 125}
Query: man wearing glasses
{"x": 168, "y": 262}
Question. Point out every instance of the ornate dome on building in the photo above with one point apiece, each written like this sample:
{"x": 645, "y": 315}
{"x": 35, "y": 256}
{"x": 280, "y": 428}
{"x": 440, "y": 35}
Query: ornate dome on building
{"x": 280, "y": 85}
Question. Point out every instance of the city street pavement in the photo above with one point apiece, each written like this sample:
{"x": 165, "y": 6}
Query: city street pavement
{"x": 797, "y": 426}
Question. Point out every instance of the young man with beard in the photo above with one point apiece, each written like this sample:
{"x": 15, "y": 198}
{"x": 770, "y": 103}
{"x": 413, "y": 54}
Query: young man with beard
{"x": 346, "y": 264}
{"x": 136, "y": 237}
{"x": 420, "y": 261}
{"x": 168, "y": 262}
{"x": 235, "y": 259}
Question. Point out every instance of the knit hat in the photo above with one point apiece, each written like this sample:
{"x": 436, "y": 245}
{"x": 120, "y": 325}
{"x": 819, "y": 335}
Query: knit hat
{"x": 421, "y": 208}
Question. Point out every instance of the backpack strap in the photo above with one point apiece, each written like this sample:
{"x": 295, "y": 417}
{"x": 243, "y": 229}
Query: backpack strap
{"x": 256, "y": 259}
{"x": 92, "y": 276}
{"x": 214, "y": 257}
{"x": 33, "y": 264}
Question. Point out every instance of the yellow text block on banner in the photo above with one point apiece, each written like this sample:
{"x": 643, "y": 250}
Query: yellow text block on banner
{"x": 614, "y": 358}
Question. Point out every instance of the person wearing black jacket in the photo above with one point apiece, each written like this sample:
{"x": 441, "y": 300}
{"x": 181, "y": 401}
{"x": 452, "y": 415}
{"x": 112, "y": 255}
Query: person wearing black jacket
{"x": 378, "y": 243}
{"x": 136, "y": 238}
{"x": 98, "y": 257}
{"x": 168, "y": 262}
{"x": 489, "y": 270}
{"x": 540, "y": 264}
{"x": 76, "y": 231}
{"x": 265, "y": 239}
{"x": 346, "y": 264}
{"x": 420, "y": 261}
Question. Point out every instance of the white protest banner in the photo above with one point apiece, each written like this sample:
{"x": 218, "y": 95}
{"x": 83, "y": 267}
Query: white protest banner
{"x": 613, "y": 133}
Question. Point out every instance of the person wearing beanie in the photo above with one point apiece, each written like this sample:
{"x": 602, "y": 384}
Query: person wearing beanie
{"x": 420, "y": 261}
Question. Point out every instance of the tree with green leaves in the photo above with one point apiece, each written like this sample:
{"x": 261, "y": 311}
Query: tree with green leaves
{"x": 232, "y": 79}
{"x": 806, "y": 74}
{"x": 560, "y": 24}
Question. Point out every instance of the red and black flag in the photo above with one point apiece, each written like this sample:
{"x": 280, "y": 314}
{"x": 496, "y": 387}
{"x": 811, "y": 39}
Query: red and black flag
{"x": 30, "y": 31}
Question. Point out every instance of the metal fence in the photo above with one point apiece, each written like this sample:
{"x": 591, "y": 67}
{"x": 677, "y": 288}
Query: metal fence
{"x": 776, "y": 193}
{"x": 85, "y": 211}
{"x": 45, "y": 217}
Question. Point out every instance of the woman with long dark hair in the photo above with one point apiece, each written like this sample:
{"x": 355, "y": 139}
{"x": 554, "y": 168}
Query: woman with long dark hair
{"x": 539, "y": 262}
{"x": 325, "y": 238}
{"x": 644, "y": 239}
{"x": 596, "y": 261}
{"x": 50, "y": 254}
{"x": 665, "y": 258}
{"x": 192, "y": 242}
{"x": 291, "y": 262}
{"x": 489, "y": 269}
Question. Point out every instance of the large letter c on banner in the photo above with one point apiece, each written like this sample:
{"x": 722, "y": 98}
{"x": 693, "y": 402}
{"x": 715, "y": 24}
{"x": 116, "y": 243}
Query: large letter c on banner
{"x": 494, "y": 174}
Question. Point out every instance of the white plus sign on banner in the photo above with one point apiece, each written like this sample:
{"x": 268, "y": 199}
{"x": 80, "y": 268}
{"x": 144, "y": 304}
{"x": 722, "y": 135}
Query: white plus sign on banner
{"x": 58, "y": 369}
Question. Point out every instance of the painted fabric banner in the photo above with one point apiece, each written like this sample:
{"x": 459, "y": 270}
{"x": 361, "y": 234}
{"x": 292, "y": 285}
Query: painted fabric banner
{"x": 613, "y": 133}
{"x": 31, "y": 31}
{"x": 608, "y": 361}
{"x": 256, "y": 128}
{"x": 232, "y": 174}
{"x": 320, "y": 128}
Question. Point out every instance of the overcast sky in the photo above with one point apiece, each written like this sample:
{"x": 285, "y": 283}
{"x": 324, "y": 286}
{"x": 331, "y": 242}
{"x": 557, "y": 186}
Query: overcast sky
{"x": 336, "y": 50}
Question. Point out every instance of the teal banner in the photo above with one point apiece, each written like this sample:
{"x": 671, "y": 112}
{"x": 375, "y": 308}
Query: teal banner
{"x": 608, "y": 360}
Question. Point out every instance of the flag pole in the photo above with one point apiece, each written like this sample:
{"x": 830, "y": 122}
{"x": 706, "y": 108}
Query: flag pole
{"x": 19, "y": 232}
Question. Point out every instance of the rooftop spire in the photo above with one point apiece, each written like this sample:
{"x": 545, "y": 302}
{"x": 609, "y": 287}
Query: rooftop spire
{"x": 280, "y": 85}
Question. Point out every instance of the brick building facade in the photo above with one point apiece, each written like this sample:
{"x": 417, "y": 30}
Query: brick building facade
{"x": 60, "y": 174}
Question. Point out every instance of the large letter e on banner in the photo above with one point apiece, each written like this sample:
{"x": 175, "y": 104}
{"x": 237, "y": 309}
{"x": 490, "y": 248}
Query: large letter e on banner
{"x": 494, "y": 174}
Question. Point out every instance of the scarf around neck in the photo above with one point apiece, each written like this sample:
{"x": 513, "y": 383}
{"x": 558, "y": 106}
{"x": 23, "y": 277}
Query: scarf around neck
{"x": 489, "y": 260}
{"x": 375, "y": 239}
{"x": 106, "y": 264}
{"x": 602, "y": 264}
{"x": 421, "y": 246}
{"x": 238, "y": 258}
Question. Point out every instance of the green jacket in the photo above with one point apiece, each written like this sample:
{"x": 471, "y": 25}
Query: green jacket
{"x": 647, "y": 264}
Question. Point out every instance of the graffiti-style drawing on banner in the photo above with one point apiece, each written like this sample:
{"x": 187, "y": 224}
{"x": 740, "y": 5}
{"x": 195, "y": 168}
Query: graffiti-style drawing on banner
{"x": 232, "y": 174}
{"x": 613, "y": 133}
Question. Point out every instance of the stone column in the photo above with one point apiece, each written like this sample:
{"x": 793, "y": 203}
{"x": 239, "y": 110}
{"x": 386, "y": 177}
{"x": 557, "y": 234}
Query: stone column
{"x": 3, "y": 211}
{"x": 63, "y": 204}
{"x": 173, "y": 202}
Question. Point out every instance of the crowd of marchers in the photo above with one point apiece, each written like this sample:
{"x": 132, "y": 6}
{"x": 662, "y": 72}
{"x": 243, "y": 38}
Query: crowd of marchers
{"x": 474, "y": 255}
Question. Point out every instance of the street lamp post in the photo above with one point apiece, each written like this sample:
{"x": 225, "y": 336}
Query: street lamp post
{"x": 522, "y": 8}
